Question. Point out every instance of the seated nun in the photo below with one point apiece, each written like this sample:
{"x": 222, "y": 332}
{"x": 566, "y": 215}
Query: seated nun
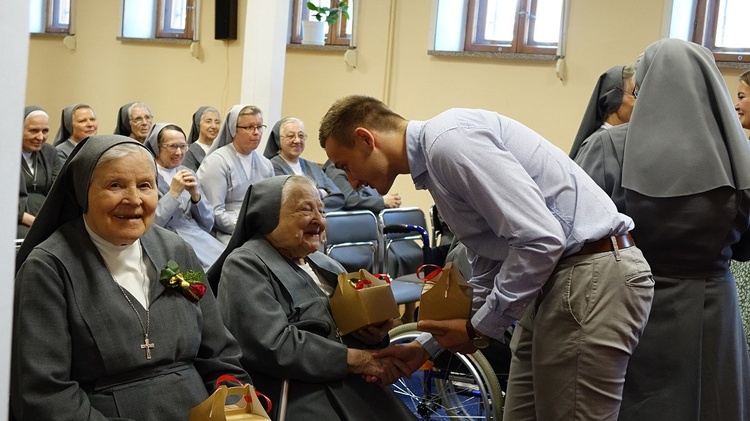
{"x": 182, "y": 207}
{"x": 78, "y": 121}
{"x": 96, "y": 334}
{"x": 273, "y": 290}
{"x": 362, "y": 197}
{"x": 232, "y": 165}
{"x": 203, "y": 132}
{"x": 134, "y": 120}
{"x": 285, "y": 145}
{"x": 39, "y": 167}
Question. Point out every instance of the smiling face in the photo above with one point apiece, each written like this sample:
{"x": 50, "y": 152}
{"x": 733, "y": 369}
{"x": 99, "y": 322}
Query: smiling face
{"x": 247, "y": 137}
{"x": 122, "y": 198}
{"x": 35, "y": 132}
{"x": 209, "y": 128}
{"x": 140, "y": 123}
{"x": 84, "y": 124}
{"x": 301, "y": 222}
{"x": 172, "y": 147}
{"x": 292, "y": 141}
{"x": 364, "y": 163}
{"x": 743, "y": 105}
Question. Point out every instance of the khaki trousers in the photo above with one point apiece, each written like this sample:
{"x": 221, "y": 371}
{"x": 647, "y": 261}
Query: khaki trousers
{"x": 572, "y": 345}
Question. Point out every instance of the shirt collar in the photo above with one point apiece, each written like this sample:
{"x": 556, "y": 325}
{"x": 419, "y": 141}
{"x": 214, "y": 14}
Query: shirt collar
{"x": 415, "y": 153}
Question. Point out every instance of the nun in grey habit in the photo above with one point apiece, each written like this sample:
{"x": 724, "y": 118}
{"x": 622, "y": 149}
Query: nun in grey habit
{"x": 84, "y": 346}
{"x": 598, "y": 141}
{"x": 191, "y": 220}
{"x": 279, "y": 312}
{"x": 123, "y": 120}
{"x": 38, "y": 172}
{"x": 64, "y": 139}
{"x": 686, "y": 180}
{"x": 197, "y": 150}
{"x": 334, "y": 198}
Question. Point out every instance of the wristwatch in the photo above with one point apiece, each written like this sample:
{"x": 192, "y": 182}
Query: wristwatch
{"x": 477, "y": 339}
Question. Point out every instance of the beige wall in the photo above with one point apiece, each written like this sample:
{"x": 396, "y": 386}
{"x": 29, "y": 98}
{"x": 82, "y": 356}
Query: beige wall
{"x": 107, "y": 73}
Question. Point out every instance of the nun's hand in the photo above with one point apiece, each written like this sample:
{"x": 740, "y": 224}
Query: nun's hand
{"x": 191, "y": 184}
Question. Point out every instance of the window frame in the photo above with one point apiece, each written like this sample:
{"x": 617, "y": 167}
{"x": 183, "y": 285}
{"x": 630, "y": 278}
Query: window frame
{"x": 522, "y": 42}
{"x": 162, "y": 26}
{"x": 703, "y": 30}
{"x": 336, "y": 33}
{"x": 51, "y": 25}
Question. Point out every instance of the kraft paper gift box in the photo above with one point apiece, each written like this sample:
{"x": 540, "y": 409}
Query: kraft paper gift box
{"x": 354, "y": 308}
{"x": 446, "y": 296}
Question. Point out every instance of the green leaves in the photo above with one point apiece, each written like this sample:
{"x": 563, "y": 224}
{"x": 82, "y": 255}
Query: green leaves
{"x": 329, "y": 14}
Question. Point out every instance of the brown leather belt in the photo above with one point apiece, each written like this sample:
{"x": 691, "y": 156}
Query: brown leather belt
{"x": 605, "y": 244}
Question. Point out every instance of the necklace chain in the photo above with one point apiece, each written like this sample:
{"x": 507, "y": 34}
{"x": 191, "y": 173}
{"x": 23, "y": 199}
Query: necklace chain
{"x": 35, "y": 169}
{"x": 147, "y": 345}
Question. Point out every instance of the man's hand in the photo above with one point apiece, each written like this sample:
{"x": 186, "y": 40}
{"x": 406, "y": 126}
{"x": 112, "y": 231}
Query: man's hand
{"x": 451, "y": 334}
{"x": 408, "y": 359}
{"x": 382, "y": 370}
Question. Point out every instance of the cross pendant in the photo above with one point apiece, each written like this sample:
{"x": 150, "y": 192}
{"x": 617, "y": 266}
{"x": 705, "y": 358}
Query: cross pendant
{"x": 34, "y": 184}
{"x": 148, "y": 346}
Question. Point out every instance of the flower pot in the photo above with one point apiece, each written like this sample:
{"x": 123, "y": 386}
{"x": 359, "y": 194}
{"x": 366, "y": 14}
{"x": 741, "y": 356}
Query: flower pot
{"x": 313, "y": 32}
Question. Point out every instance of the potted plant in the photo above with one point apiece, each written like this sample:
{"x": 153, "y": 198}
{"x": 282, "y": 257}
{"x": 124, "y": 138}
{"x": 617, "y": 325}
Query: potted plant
{"x": 313, "y": 31}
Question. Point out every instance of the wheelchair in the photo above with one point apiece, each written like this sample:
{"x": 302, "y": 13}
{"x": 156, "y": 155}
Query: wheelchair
{"x": 454, "y": 386}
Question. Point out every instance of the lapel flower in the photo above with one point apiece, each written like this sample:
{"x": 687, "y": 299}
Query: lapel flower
{"x": 189, "y": 283}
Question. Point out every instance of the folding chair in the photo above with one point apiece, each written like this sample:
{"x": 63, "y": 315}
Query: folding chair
{"x": 353, "y": 239}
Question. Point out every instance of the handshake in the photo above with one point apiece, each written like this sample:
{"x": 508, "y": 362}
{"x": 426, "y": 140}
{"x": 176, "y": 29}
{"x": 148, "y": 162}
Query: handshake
{"x": 385, "y": 366}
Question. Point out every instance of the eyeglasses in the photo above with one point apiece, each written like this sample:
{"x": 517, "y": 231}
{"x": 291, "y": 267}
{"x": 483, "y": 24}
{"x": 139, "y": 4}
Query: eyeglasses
{"x": 139, "y": 120}
{"x": 290, "y": 137}
{"x": 253, "y": 128}
{"x": 173, "y": 147}
{"x": 634, "y": 92}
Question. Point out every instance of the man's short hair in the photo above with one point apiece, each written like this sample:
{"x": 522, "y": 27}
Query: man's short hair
{"x": 354, "y": 111}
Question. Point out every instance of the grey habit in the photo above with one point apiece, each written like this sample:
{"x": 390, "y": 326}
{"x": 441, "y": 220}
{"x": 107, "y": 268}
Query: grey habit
{"x": 685, "y": 175}
{"x": 76, "y": 351}
{"x": 605, "y": 100}
{"x": 283, "y": 323}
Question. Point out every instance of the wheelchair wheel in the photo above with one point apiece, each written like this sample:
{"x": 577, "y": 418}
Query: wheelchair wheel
{"x": 453, "y": 386}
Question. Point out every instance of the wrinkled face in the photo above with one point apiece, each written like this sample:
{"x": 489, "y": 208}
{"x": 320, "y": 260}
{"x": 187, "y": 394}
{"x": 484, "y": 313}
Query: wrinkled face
{"x": 209, "y": 128}
{"x": 628, "y": 101}
{"x": 122, "y": 199}
{"x": 35, "y": 132}
{"x": 140, "y": 123}
{"x": 363, "y": 163}
{"x": 743, "y": 105}
{"x": 171, "y": 149}
{"x": 84, "y": 124}
{"x": 292, "y": 141}
{"x": 301, "y": 223}
{"x": 248, "y": 133}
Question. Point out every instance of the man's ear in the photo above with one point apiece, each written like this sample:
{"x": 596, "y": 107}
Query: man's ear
{"x": 365, "y": 136}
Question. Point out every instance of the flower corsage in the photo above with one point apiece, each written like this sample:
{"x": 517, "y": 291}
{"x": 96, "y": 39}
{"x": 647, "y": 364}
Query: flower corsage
{"x": 189, "y": 283}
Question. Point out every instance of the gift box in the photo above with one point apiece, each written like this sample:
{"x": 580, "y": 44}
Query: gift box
{"x": 361, "y": 299}
{"x": 446, "y": 295}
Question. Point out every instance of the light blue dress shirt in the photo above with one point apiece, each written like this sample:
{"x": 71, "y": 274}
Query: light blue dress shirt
{"x": 516, "y": 201}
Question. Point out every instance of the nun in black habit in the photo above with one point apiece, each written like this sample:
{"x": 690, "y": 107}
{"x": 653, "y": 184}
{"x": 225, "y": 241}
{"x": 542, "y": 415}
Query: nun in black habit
{"x": 96, "y": 335}
{"x": 199, "y": 144}
{"x": 273, "y": 289}
{"x": 686, "y": 180}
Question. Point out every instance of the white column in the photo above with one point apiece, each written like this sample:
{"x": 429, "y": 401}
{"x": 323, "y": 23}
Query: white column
{"x": 264, "y": 55}
{"x": 14, "y": 29}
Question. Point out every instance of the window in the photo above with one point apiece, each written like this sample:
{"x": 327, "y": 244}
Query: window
{"x": 719, "y": 25}
{"x": 158, "y": 19}
{"x": 513, "y": 26}
{"x": 50, "y": 16}
{"x": 340, "y": 33}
